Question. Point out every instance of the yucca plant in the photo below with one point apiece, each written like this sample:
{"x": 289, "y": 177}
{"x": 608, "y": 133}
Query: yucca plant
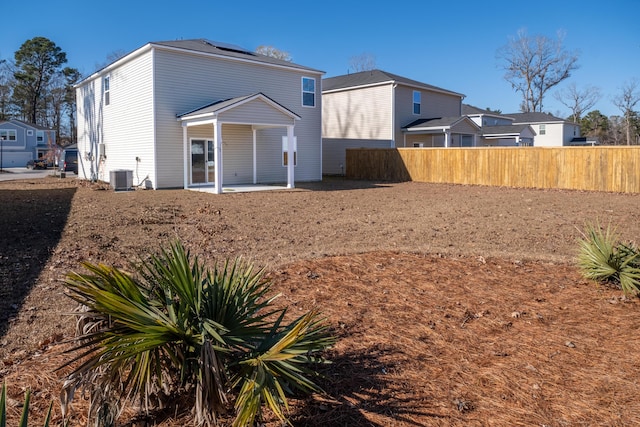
{"x": 603, "y": 258}
{"x": 177, "y": 327}
{"x": 24, "y": 418}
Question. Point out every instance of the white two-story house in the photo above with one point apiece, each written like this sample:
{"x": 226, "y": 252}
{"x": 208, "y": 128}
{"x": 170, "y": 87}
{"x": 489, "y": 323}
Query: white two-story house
{"x": 192, "y": 113}
{"x": 550, "y": 131}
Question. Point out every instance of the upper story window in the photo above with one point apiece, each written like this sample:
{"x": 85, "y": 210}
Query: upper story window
{"x": 39, "y": 136}
{"x": 308, "y": 92}
{"x": 417, "y": 100}
{"x": 106, "y": 88}
{"x": 8, "y": 134}
{"x": 543, "y": 129}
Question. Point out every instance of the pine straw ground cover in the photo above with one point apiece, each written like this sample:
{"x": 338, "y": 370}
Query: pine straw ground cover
{"x": 432, "y": 341}
{"x": 425, "y": 338}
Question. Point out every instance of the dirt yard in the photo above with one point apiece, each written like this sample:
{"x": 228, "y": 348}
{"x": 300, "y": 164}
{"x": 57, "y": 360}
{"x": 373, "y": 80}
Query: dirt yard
{"x": 453, "y": 305}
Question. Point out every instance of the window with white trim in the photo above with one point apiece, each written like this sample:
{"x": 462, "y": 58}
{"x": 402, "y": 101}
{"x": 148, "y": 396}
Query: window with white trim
{"x": 308, "y": 92}
{"x": 40, "y": 136}
{"x": 543, "y": 129}
{"x": 417, "y": 98}
{"x": 106, "y": 88}
{"x": 285, "y": 154}
{"x": 9, "y": 134}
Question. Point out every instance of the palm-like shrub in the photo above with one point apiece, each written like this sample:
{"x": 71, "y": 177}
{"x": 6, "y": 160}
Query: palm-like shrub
{"x": 177, "y": 327}
{"x": 603, "y": 258}
{"x": 24, "y": 418}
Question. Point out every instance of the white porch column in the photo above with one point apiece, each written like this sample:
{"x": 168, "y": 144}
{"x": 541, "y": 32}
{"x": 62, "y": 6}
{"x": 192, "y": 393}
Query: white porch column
{"x": 447, "y": 138}
{"x": 217, "y": 155}
{"x": 186, "y": 162}
{"x": 255, "y": 157}
{"x": 290, "y": 157}
{"x": 474, "y": 142}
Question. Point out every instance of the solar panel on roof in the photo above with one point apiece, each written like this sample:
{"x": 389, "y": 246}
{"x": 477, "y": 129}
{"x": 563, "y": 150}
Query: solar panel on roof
{"x": 228, "y": 46}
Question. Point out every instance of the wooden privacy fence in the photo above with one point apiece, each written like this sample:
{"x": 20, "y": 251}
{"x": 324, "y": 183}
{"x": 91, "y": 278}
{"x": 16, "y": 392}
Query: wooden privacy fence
{"x": 615, "y": 169}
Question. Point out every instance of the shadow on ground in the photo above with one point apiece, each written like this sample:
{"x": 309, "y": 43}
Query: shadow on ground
{"x": 361, "y": 392}
{"x": 340, "y": 183}
{"x": 31, "y": 222}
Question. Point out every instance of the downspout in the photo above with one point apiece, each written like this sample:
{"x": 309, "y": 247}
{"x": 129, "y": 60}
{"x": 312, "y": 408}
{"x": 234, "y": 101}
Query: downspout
{"x": 217, "y": 155}
{"x": 255, "y": 155}
{"x": 393, "y": 117}
{"x": 185, "y": 154}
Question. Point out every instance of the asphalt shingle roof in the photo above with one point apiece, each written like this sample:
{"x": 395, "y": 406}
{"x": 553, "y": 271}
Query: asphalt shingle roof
{"x": 533, "y": 117}
{"x": 225, "y": 49}
{"x": 504, "y": 129}
{"x": 365, "y": 78}
{"x": 436, "y": 122}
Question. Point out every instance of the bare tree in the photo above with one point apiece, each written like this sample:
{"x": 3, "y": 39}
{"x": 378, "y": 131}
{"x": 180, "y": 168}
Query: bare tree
{"x": 273, "y": 52}
{"x": 6, "y": 89}
{"x": 578, "y": 101}
{"x": 534, "y": 65}
{"x": 626, "y": 101}
{"x": 363, "y": 62}
{"x": 110, "y": 59}
{"x": 616, "y": 127}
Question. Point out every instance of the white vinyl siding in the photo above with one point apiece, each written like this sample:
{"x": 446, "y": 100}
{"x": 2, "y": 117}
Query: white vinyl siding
{"x": 213, "y": 79}
{"x": 237, "y": 152}
{"x": 125, "y": 127}
{"x": 152, "y": 87}
{"x": 358, "y": 114}
{"x": 255, "y": 112}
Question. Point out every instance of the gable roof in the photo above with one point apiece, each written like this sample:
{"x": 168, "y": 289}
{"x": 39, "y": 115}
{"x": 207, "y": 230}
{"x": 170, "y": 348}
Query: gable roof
{"x": 376, "y": 77}
{"x": 208, "y": 48}
{"x": 535, "y": 118}
{"x": 225, "y": 49}
{"x": 22, "y": 123}
{"x": 223, "y": 105}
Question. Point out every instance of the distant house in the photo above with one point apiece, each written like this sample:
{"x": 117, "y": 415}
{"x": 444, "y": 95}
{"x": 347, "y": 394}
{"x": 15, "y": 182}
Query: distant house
{"x": 22, "y": 141}
{"x": 550, "y": 131}
{"x": 498, "y": 129}
{"x": 377, "y": 109}
{"x": 192, "y": 113}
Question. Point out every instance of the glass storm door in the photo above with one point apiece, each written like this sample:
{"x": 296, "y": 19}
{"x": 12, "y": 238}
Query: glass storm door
{"x": 202, "y": 164}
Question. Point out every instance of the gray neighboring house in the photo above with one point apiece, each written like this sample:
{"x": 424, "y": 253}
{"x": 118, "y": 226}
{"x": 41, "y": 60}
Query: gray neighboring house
{"x": 550, "y": 131}
{"x": 22, "y": 141}
{"x": 198, "y": 113}
{"x": 377, "y": 109}
{"x": 498, "y": 129}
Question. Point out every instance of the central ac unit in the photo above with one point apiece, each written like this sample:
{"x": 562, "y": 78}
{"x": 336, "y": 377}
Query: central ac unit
{"x": 121, "y": 180}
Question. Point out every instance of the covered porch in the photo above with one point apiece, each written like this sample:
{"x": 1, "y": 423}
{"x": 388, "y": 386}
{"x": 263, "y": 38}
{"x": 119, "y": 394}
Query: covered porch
{"x": 441, "y": 132}
{"x": 237, "y": 142}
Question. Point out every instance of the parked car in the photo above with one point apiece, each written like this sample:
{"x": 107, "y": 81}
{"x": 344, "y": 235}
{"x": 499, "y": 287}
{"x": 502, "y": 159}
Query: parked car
{"x": 37, "y": 164}
{"x": 69, "y": 160}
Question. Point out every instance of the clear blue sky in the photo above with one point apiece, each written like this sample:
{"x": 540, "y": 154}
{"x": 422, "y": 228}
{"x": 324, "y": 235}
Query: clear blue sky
{"x": 450, "y": 44}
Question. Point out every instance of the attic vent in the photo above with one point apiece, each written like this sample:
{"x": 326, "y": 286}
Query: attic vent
{"x": 228, "y": 47}
{"x": 121, "y": 180}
